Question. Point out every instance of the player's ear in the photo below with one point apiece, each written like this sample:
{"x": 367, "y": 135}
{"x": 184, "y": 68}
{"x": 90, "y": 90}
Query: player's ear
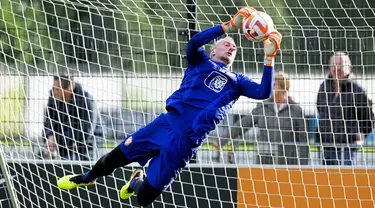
{"x": 212, "y": 52}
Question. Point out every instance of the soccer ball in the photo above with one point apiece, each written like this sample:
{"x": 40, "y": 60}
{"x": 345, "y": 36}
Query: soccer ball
{"x": 257, "y": 27}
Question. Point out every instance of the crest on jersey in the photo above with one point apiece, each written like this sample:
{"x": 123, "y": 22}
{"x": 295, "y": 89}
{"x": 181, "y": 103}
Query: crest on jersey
{"x": 215, "y": 81}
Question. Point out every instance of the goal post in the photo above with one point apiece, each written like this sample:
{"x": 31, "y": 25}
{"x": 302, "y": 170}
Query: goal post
{"x": 129, "y": 55}
{"x": 6, "y": 182}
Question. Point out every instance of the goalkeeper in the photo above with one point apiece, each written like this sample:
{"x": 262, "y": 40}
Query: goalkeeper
{"x": 208, "y": 90}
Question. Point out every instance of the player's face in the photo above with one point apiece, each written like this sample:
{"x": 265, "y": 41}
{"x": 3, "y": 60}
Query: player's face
{"x": 278, "y": 92}
{"x": 338, "y": 68}
{"x": 225, "y": 52}
{"x": 59, "y": 93}
{"x": 57, "y": 90}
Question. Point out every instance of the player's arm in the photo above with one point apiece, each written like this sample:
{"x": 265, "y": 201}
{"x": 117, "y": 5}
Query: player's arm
{"x": 321, "y": 105}
{"x": 242, "y": 125}
{"x": 50, "y": 116}
{"x": 195, "y": 53}
{"x": 48, "y": 127}
{"x": 245, "y": 122}
{"x": 263, "y": 90}
{"x": 364, "y": 111}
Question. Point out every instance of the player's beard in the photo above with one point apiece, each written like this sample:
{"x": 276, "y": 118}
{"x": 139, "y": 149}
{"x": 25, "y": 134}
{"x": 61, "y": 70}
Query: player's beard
{"x": 226, "y": 60}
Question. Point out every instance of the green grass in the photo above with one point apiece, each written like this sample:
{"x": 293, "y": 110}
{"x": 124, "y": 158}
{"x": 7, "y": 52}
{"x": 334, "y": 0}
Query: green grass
{"x": 13, "y": 143}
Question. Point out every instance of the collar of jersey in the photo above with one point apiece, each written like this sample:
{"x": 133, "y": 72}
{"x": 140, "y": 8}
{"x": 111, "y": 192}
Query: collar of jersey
{"x": 220, "y": 66}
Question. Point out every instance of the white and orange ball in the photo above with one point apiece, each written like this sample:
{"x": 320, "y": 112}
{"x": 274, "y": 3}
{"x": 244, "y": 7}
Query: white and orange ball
{"x": 257, "y": 27}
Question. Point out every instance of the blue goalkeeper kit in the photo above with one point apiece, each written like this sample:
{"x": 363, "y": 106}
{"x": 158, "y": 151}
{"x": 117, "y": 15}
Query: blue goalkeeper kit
{"x": 208, "y": 90}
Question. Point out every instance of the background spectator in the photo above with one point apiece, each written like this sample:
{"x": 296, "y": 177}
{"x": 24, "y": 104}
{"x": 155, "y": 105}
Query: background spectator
{"x": 70, "y": 119}
{"x": 219, "y": 143}
{"x": 282, "y": 131}
{"x": 345, "y": 114}
{"x": 282, "y": 137}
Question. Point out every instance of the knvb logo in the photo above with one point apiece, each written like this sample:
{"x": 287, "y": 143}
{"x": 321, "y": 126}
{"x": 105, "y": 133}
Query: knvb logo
{"x": 215, "y": 81}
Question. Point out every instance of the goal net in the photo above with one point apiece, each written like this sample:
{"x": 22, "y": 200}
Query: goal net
{"x": 129, "y": 56}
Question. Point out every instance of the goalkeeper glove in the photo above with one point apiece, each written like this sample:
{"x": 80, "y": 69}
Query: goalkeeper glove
{"x": 271, "y": 45}
{"x": 236, "y": 21}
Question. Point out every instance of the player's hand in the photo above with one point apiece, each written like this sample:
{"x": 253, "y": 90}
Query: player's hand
{"x": 271, "y": 46}
{"x": 236, "y": 21}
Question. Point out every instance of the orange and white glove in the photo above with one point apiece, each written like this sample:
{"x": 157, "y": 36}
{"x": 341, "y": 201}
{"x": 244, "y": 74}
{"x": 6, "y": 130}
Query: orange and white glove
{"x": 236, "y": 21}
{"x": 271, "y": 45}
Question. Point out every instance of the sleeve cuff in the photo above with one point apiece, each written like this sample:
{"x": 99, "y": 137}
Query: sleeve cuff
{"x": 266, "y": 67}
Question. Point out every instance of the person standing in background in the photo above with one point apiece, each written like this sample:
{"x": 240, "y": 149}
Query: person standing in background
{"x": 69, "y": 119}
{"x": 282, "y": 137}
{"x": 345, "y": 114}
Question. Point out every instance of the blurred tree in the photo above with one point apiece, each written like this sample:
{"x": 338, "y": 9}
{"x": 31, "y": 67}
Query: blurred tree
{"x": 12, "y": 105}
{"x": 152, "y": 34}
{"x": 24, "y": 37}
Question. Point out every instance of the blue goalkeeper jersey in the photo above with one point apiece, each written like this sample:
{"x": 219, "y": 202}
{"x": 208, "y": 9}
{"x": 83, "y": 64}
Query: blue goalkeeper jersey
{"x": 209, "y": 89}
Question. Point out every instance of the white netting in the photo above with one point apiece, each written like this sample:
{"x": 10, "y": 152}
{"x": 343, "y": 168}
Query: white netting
{"x": 130, "y": 56}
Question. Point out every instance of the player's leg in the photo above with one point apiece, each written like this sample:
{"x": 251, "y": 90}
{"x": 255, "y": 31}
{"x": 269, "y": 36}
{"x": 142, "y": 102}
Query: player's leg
{"x": 350, "y": 156}
{"x": 103, "y": 167}
{"x": 139, "y": 147}
{"x": 139, "y": 185}
{"x": 331, "y": 156}
{"x": 162, "y": 171}
{"x": 158, "y": 179}
{"x": 217, "y": 146}
{"x": 231, "y": 152}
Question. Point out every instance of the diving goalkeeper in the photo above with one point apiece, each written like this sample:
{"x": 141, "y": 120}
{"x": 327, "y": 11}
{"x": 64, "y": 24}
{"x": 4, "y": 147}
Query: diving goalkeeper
{"x": 208, "y": 90}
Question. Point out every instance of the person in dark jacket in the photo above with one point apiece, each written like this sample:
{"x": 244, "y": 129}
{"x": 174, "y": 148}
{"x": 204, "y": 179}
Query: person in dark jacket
{"x": 69, "y": 119}
{"x": 345, "y": 114}
{"x": 282, "y": 137}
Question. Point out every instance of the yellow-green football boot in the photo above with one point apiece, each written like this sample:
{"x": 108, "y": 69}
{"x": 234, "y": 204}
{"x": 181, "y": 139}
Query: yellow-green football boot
{"x": 69, "y": 182}
{"x": 125, "y": 192}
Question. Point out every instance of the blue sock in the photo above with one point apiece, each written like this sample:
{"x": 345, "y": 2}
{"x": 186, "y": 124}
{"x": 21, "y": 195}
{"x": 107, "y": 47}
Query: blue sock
{"x": 86, "y": 176}
{"x": 133, "y": 182}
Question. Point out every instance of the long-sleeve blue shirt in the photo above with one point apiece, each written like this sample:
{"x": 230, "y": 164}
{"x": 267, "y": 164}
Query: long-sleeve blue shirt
{"x": 209, "y": 89}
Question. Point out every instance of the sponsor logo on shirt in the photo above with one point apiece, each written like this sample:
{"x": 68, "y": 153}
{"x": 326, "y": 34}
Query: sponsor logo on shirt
{"x": 215, "y": 81}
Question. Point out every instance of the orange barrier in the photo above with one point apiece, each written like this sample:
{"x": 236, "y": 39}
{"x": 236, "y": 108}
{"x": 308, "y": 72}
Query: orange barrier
{"x": 336, "y": 188}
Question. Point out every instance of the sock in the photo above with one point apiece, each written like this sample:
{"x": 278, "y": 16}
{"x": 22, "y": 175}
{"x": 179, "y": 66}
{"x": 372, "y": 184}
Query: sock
{"x": 78, "y": 179}
{"x": 106, "y": 165}
{"x": 135, "y": 184}
{"x": 86, "y": 176}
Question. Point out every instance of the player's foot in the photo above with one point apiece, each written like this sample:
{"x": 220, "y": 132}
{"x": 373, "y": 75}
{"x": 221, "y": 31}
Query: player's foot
{"x": 126, "y": 192}
{"x": 69, "y": 182}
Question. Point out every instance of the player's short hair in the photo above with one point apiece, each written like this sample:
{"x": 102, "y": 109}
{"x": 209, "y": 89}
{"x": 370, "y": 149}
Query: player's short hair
{"x": 227, "y": 38}
{"x": 344, "y": 56}
{"x": 283, "y": 80}
{"x": 66, "y": 81}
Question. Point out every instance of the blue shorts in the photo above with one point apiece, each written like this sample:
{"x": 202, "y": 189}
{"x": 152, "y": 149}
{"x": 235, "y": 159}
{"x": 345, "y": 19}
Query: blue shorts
{"x": 167, "y": 142}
